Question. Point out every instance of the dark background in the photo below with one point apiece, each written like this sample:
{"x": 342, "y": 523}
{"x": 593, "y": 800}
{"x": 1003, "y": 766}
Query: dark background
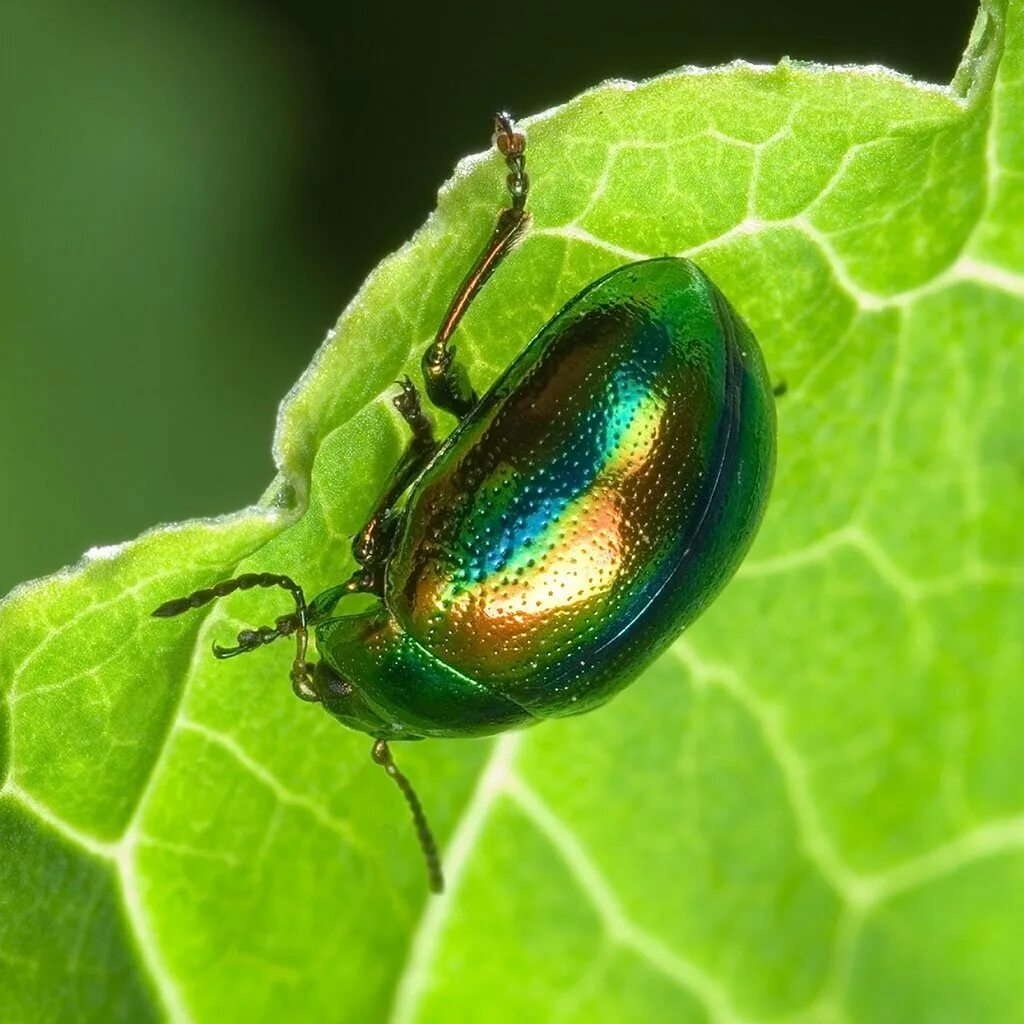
{"x": 190, "y": 193}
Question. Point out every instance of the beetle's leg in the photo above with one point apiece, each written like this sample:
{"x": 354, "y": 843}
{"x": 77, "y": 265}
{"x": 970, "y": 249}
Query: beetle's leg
{"x": 369, "y": 547}
{"x": 408, "y": 403}
{"x": 323, "y": 604}
{"x": 250, "y": 639}
{"x": 381, "y": 754}
{"x": 447, "y": 381}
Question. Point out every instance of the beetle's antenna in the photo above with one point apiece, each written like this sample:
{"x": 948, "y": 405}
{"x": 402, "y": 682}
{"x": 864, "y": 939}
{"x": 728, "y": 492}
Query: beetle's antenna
{"x": 244, "y": 582}
{"x": 381, "y": 754}
{"x": 250, "y": 639}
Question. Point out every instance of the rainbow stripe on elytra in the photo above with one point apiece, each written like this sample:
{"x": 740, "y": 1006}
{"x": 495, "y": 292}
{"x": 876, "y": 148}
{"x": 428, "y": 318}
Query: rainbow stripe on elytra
{"x": 590, "y": 507}
{"x": 565, "y": 509}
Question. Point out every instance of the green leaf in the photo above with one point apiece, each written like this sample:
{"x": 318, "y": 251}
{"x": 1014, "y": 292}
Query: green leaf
{"x": 812, "y": 809}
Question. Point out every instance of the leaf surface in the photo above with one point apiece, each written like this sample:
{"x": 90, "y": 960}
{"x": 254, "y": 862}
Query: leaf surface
{"x": 811, "y": 809}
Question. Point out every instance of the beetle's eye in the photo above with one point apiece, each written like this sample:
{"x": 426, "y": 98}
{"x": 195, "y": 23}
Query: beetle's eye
{"x": 330, "y": 683}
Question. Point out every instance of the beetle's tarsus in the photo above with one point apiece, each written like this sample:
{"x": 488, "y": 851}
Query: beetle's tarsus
{"x": 409, "y": 406}
{"x": 250, "y": 639}
{"x": 381, "y": 754}
{"x": 512, "y": 146}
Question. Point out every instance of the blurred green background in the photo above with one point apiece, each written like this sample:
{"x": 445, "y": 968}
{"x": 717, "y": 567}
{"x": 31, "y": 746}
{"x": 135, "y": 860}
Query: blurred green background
{"x": 191, "y": 192}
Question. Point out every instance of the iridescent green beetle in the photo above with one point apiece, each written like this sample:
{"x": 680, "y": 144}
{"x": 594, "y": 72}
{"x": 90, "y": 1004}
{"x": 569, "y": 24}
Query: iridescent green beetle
{"x": 584, "y": 511}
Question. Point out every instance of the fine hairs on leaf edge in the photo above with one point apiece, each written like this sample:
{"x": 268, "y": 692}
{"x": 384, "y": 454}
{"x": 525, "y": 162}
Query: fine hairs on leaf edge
{"x": 285, "y": 499}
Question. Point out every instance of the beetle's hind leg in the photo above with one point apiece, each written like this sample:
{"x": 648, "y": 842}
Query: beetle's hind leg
{"x": 250, "y": 639}
{"x": 447, "y": 381}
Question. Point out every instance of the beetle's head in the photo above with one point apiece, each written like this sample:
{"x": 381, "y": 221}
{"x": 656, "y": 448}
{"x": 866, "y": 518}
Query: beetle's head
{"x": 341, "y": 698}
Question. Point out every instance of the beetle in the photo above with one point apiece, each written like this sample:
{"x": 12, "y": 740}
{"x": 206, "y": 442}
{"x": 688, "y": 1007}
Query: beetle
{"x": 584, "y": 510}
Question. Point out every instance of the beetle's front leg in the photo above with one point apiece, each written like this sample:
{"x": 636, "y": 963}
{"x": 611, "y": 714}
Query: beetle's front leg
{"x": 296, "y": 624}
{"x": 446, "y": 379}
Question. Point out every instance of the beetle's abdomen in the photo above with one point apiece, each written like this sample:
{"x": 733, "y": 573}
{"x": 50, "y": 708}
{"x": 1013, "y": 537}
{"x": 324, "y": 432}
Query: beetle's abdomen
{"x": 553, "y": 529}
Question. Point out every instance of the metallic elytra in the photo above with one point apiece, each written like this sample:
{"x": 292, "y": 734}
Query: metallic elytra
{"x": 583, "y": 512}
{"x": 591, "y": 506}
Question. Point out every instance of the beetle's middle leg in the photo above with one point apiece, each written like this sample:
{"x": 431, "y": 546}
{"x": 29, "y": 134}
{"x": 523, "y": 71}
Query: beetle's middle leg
{"x": 371, "y": 544}
{"x": 447, "y": 381}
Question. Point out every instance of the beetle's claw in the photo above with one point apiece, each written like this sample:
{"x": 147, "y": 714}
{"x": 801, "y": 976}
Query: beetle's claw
{"x": 407, "y": 401}
{"x": 503, "y": 125}
{"x": 227, "y": 652}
